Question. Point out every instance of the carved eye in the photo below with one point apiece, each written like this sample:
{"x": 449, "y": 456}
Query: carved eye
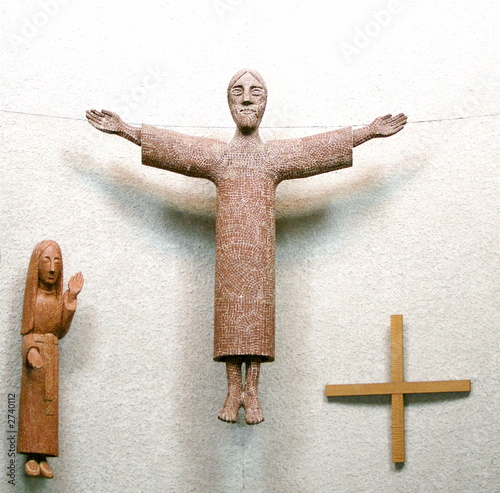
{"x": 257, "y": 91}
{"x": 237, "y": 91}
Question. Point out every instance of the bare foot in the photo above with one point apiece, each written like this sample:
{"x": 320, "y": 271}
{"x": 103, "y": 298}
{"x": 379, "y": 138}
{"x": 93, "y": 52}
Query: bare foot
{"x": 229, "y": 411}
{"x": 253, "y": 409}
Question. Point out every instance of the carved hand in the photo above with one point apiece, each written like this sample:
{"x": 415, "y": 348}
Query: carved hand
{"x": 34, "y": 358}
{"x": 75, "y": 286}
{"x": 385, "y": 126}
{"x": 105, "y": 121}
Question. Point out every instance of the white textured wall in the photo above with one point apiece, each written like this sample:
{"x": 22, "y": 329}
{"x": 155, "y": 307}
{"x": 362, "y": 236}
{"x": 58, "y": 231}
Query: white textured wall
{"x": 412, "y": 228}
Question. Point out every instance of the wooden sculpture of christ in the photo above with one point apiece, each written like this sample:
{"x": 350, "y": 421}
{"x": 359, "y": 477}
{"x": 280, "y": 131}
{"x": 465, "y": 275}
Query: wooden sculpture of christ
{"x": 246, "y": 172}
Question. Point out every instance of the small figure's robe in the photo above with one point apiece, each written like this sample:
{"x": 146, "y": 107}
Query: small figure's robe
{"x": 38, "y": 403}
{"x": 246, "y": 176}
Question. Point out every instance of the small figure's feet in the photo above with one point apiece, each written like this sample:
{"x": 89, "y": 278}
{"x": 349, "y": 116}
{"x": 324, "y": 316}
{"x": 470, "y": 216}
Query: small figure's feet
{"x": 229, "y": 411}
{"x": 32, "y": 468}
{"x": 253, "y": 409}
{"x": 45, "y": 470}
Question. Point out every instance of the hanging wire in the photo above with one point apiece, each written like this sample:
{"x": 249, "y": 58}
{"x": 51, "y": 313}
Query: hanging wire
{"x": 56, "y": 117}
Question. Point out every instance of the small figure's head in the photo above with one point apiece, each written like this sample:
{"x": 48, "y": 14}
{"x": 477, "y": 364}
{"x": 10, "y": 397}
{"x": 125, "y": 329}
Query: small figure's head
{"x": 247, "y": 97}
{"x": 49, "y": 266}
{"x": 45, "y": 271}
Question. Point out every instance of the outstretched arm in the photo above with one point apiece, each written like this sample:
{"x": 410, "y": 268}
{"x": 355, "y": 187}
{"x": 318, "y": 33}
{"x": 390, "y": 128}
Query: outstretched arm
{"x": 320, "y": 153}
{"x": 111, "y": 123}
{"x": 161, "y": 148}
{"x": 383, "y": 126}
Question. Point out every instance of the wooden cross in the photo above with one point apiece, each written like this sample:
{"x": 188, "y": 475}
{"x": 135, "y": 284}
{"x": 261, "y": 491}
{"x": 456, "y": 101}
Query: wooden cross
{"x": 397, "y": 387}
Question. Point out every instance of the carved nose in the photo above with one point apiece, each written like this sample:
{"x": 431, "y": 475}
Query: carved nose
{"x": 247, "y": 97}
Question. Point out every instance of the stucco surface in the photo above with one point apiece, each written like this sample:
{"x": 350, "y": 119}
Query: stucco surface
{"x": 412, "y": 228}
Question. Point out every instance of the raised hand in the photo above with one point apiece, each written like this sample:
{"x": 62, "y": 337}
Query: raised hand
{"x": 75, "y": 286}
{"x": 105, "y": 121}
{"x": 111, "y": 123}
{"x": 385, "y": 126}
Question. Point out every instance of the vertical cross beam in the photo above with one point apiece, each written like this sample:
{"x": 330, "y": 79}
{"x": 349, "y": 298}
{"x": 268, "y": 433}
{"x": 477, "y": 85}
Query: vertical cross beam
{"x": 397, "y": 400}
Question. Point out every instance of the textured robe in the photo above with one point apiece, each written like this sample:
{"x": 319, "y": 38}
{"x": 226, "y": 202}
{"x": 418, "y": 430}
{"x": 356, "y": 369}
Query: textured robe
{"x": 38, "y": 404}
{"x": 246, "y": 176}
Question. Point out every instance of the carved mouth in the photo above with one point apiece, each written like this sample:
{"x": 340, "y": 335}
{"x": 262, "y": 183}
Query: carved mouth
{"x": 247, "y": 111}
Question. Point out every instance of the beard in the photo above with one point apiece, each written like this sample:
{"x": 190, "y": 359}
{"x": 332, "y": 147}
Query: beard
{"x": 247, "y": 121}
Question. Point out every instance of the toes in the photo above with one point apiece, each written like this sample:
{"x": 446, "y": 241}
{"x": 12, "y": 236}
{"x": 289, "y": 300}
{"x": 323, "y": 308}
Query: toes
{"x": 229, "y": 411}
{"x": 254, "y": 416}
{"x": 253, "y": 409}
{"x": 229, "y": 416}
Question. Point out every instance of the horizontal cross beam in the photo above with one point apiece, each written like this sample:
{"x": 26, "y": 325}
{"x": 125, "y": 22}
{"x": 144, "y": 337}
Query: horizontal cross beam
{"x": 397, "y": 388}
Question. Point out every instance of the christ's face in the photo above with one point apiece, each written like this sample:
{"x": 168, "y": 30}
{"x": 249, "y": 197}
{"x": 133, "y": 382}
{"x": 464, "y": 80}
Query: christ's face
{"x": 247, "y": 102}
{"x": 49, "y": 266}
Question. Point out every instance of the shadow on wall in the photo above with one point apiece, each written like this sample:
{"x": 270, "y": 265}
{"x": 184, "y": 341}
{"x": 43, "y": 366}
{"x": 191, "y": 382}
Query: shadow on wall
{"x": 410, "y": 399}
{"x": 300, "y": 210}
{"x": 343, "y": 204}
{"x": 151, "y": 204}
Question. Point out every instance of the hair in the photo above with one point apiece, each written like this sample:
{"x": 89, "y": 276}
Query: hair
{"x": 242, "y": 72}
{"x": 32, "y": 280}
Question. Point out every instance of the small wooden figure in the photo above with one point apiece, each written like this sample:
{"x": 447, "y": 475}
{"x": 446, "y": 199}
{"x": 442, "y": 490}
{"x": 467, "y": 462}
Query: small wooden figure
{"x": 47, "y": 315}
